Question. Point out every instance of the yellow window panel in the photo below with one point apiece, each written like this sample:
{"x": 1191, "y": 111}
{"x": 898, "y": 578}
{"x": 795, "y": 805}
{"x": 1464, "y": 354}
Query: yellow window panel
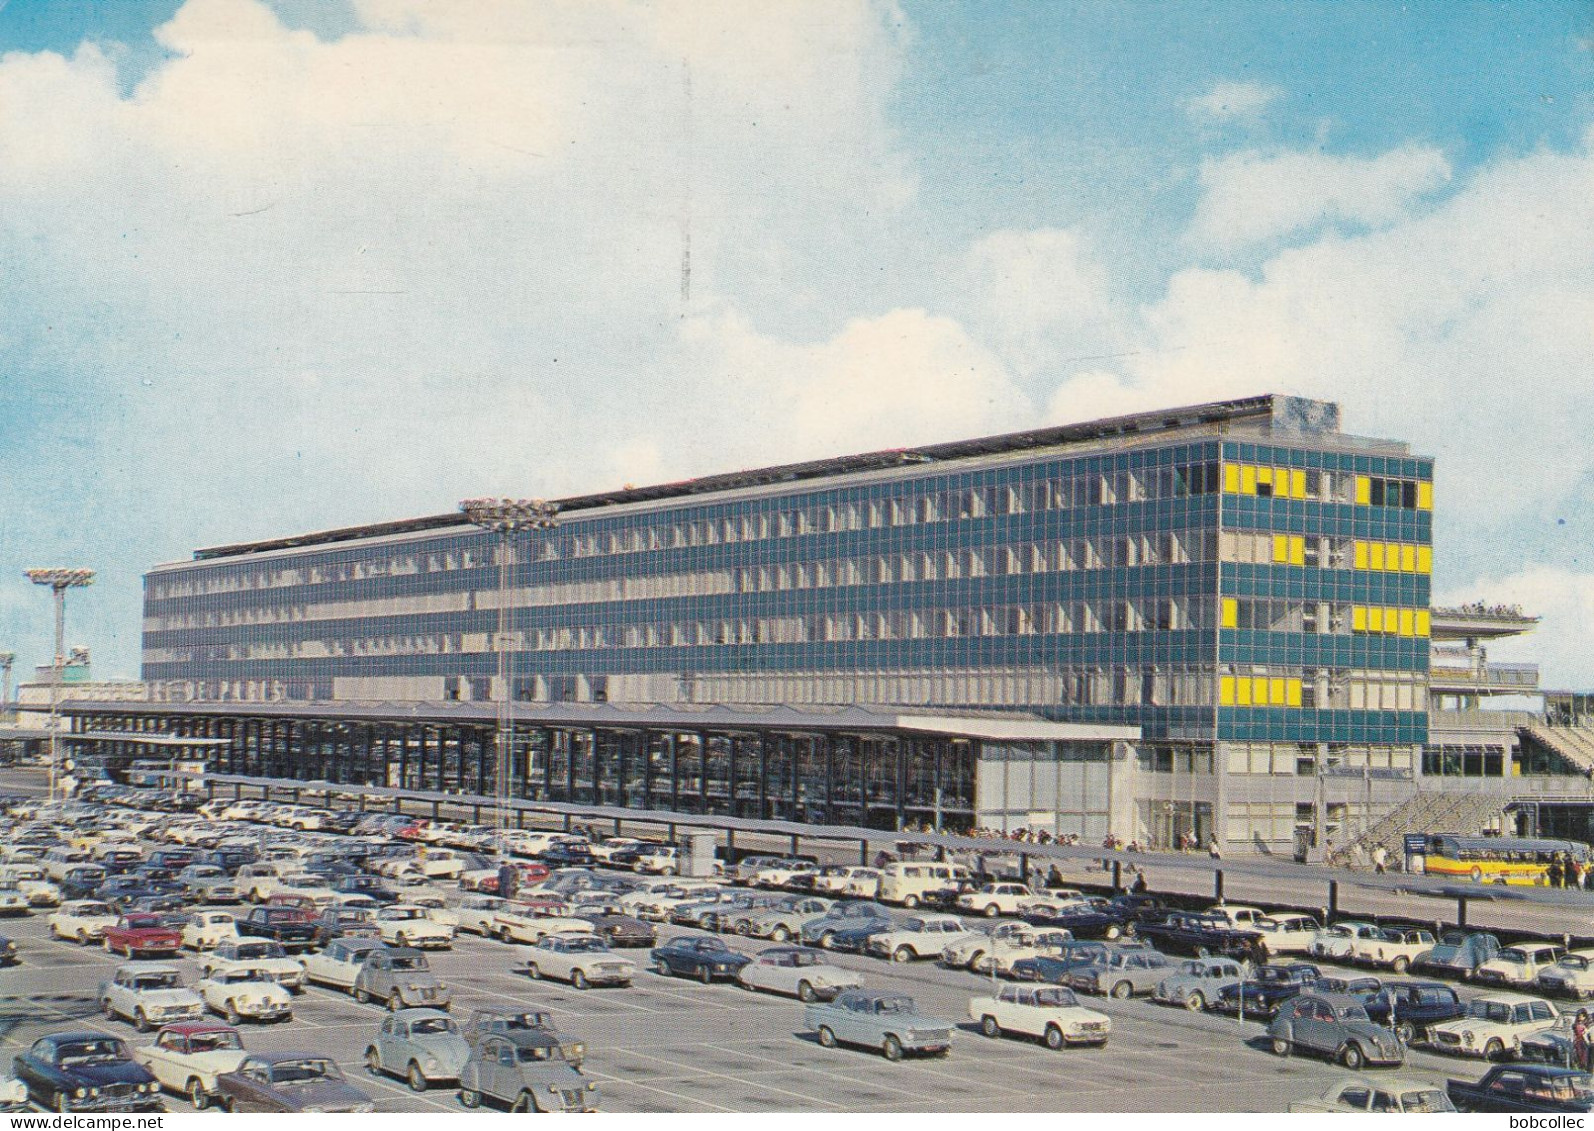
{"x": 1408, "y": 559}
{"x": 1408, "y": 622}
{"x": 1226, "y": 691}
{"x": 1264, "y": 475}
{"x": 1242, "y": 692}
{"x": 1297, "y": 483}
{"x": 1292, "y": 693}
{"x": 1424, "y": 495}
{"x": 1231, "y": 478}
{"x": 1375, "y": 619}
{"x": 1231, "y": 613}
{"x": 1281, "y": 547}
{"x": 1247, "y": 479}
{"x": 1259, "y": 690}
{"x": 1424, "y": 559}
{"x": 1391, "y": 621}
{"x": 1360, "y": 555}
{"x": 1364, "y": 490}
{"x": 1297, "y": 550}
{"x": 1422, "y": 623}
{"x": 1392, "y": 556}
{"x": 1375, "y": 555}
{"x": 1276, "y": 692}
{"x": 1358, "y": 618}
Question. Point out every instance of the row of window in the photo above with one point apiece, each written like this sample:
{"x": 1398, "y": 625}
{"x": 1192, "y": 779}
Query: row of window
{"x": 1319, "y": 688}
{"x": 1327, "y": 486}
{"x": 1312, "y": 551}
{"x": 1263, "y": 614}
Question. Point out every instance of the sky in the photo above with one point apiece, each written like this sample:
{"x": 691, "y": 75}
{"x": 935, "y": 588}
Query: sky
{"x": 269, "y": 267}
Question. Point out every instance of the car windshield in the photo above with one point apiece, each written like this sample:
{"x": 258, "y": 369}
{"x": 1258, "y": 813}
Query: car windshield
{"x": 261, "y": 950}
{"x": 87, "y": 1052}
{"x": 402, "y": 913}
{"x": 1512, "y": 954}
{"x": 1352, "y": 1013}
{"x": 584, "y": 946}
{"x": 157, "y": 981}
{"x": 894, "y": 1005}
{"x": 1425, "y": 1100}
{"x": 249, "y": 975}
{"x": 428, "y": 1025}
{"x": 304, "y": 1071}
{"x": 804, "y": 958}
{"x": 525, "y": 1021}
{"x": 527, "y": 1054}
{"x": 1489, "y": 1011}
{"x": 1056, "y": 997}
{"x": 406, "y": 962}
{"x": 218, "y": 1041}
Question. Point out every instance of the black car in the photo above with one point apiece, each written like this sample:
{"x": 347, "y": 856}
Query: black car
{"x": 1410, "y": 1007}
{"x": 81, "y": 882}
{"x": 86, "y": 1071}
{"x": 1097, "y": 919}
{"x": 171, "y": 859}
{"x": 229, "y": 860}
{"x": 1056, "y": 968}
{"x": 705, "y": 958}
{"x": 371, "y": 887}
{"x": 1267, "y": 988}
{"x": 1525, "y": 1088}
{"x": 1200, "y": 935}
{"x": 568, "y": 854}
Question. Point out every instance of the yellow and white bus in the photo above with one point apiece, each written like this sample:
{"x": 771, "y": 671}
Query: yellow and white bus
{"x": 1499, "y": 859}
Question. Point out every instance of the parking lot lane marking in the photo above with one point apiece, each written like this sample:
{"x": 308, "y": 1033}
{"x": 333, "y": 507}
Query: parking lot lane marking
{"x": 356, "y": 1070}
{"x": 818, "y": 1066}
{"x": 696, "y": 1103}
{"x": 699, "y": 1070}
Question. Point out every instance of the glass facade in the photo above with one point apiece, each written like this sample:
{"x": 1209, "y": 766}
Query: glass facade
{"x": 1250, "y": 589}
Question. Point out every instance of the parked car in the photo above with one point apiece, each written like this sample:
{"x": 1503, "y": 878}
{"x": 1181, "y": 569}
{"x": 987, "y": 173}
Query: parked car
{"x": 255, "y": 954}
{"x": 149, "y": 994}
{"x": 338, "y": 963}
{"x": 206, "y": 930}
{"x": 1360, "y": 1095}
{"x": 1122, "y": 973}
{"x": 1194, "y": 983}
{"x": 290, "y": 926}
{"x": 1518, "y": 965}
{"x": 422, "y": 1045}
{"x": 406, "y": 924}
{"x": 878, "y": 1019}
{"x": 1049, "y": 1013}
{"x": 187, "y": 1058}
{"x": 1393, "y": 948}
{"x": 1334, "y": 1026}
{"x": 1058, "y": 966}
{"x": 245, "y": 993}
{"x": 483, "y": 1023}
{"x": 803, "y": 973}
{"x": 1200, "y": 935}
{"x": 996, "y": 899}
{"x": 615, "y": 927}
{"x": 1285, "y": 934}
{"x": 1338, "y": 942}
{"x": 581, "y": 960}
{"x": 13, "y": 1095}
{"x": 705, "y": 958}
{"x": 1571, "y": 976}
{"x": 86, "y": 1072}
{"x": 526, "y": 1070}
{"x": 1525, "y": 1088}
{"x": 289, "y": 1081}
{"x": 1457, "y": 954}
{"x": 1410, "y": 1008}
{"x": 402, "y": 978}
{"x": 1267, "y": 988}
{"x": 209, "y": 883}
{"x": 1494, "y": 1025}
{"x": 85, "y": 920}
{"x": 783, "y": 921}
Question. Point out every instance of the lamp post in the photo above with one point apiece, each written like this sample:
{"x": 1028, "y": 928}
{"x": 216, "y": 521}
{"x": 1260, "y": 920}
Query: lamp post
{"x": 506, "y": 518}
{"x": 6, "y": 660}
{"x": 59, "y": 581}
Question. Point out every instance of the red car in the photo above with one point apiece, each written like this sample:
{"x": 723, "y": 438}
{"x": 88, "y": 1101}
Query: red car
{"x": 140, "y": 934}
{"x": 486, "y": 880}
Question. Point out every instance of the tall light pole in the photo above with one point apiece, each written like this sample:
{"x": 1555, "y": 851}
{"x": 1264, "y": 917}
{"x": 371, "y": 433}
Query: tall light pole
{"x": 506, "y": 518}
{"x": 6, "y": 660}
{"x": 59, "y": 581}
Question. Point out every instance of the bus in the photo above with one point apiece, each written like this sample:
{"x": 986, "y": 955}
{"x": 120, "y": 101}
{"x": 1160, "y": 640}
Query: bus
{"x": 1499, "y": 859}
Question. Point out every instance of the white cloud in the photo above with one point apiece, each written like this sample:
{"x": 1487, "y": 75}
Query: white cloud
{"x": 1253, "y": 197}
{"x": 1231, "y": 101}
{"x": 1564, "y": 599}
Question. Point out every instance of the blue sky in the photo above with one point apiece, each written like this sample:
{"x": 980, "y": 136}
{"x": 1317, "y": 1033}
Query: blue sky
{"x": 281, "y": 266}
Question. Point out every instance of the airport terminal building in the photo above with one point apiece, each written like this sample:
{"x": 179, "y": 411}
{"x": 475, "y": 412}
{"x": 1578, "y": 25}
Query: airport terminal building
{"x": 1211, "y": 619}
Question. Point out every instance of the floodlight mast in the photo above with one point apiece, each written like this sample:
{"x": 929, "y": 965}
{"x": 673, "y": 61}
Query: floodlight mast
{"x": 507, "y": 518}
{"x": 59, "y": 580}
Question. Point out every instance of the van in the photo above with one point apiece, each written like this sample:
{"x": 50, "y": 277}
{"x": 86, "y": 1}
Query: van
{"x": 908, "y": 882}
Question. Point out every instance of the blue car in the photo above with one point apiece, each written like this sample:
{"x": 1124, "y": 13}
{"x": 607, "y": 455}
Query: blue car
{"x": 844, "y": 916}
{"x": 705, "y": 958}
{"x": 854, "y": 939}
{"x": 86, "y": 1071}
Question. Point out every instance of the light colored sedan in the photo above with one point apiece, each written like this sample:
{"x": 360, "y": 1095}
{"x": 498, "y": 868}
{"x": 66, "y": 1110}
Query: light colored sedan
{"x": 245, "y": 993}
{"x": 405, "y": 924}
{"x": 338, "y": 963}
{"x": 799, "y": 971}
{"x": 1048, "y": 1013}
{"x": 206, "y": 930}
{"x": 85, "y": 920}
{"x": 581, "y": 960}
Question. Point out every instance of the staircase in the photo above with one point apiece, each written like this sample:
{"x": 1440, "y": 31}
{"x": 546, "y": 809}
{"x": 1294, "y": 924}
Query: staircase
{"x": 1575, "y": 744}
{"x": 1465, "y": 814}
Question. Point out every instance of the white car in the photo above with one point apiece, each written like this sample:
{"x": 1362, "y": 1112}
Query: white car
{"x": 441, "y": 863}
{"x": 515, "y": 922}
{"x": 1238, "y": 915}
{"x": 85, "y": 920}
{"x": 405, "y": 924}
{"x": 1494, "y": 1025}
{"x": 851, "y": 881}
{"x": 1518, "y": 965}
{"x": 779, "y": 875}
{"x": 338, "y": 963}
{"x": 998, "y": 899}
{"x": 581, "y": 960}
{"x": 918, "y": 936}
{"x": 804, "y": 973}
{"x": 529, "y": 842}
{"x": 149, "y": 994}
{"x": 1010, "y": 948}
{"x": 476, "y": 913}
{"x": 1337, "y": 942}
{"x": 657, "y": 905}
{"x": 206, "y": 930}
{"x": 1287, "y": 934}
{"x": 665, "y": 860}
{"x": 1051, "y": 1013}
{"x": 33, "y": 883}
{"x": 306, "y": 885}
{"x": 12, "y": 899}
{"x": 245, "y": 992}
{"x": 187, "y": 1060}
{"x": 972, "y": 947}
{"x": 1572, "y": 976}
{"x": 254, "y": 954}
{"x": 1395, "y": 948}
{"x": 603, "y": 851}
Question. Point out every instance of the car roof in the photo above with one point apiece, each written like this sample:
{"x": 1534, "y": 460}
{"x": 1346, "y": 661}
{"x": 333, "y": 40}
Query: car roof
{"x": 282, "y": 1055}
{"x": 189, "y": 1028}
{"x": 1338, "y": 1001}
{"x": 527, "y": 1038}
{"x": 417, "y": 1014}
{"x": 1506, "y": 998}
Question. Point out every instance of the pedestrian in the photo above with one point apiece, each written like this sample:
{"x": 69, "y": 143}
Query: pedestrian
{"x": 1380, "y": 859}
{"x": 1054, "y": 878}
{"x": 1139, "y": 887}
{"x": 1212, "y": 848}
{"x": 1580, "y": 1040}
{"x": 1553, "y": 872}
